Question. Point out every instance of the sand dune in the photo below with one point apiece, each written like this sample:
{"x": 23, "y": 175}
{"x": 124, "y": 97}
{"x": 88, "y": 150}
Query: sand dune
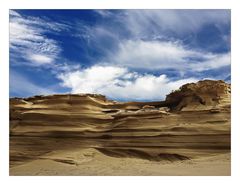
{"x": 187, "y": 134}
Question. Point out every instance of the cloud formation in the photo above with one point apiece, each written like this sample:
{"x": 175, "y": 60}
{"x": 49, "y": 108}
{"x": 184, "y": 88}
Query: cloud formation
{"x": 28, "y": 39}
{"x": 124, "y": 54}
{"x": 119, "y": 83}
{"x": 154, "y": 55}
{"x": 144, "y": 22}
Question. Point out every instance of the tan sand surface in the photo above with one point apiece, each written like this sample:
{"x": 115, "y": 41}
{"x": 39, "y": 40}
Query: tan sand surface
{"x": 91, "y": 162}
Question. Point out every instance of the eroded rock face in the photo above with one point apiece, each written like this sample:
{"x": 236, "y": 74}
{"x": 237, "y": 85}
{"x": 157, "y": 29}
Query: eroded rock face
{"x": 192, "y": 122}
{"x": 203, "y": 95}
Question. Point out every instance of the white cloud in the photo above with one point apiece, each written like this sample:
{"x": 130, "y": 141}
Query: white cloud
{"x": 40, "y": 59}
{"x": 142, "y": 22}
{"x": 91, "y": 79}
{"x": 212, "y": 61}
{"x": 104, "y": 12}
{"x": 152, "y": 41}
{"x": 162, "y": 55}
{"x": 27, "y": 39}
{"x": 14, "y": 13}
{"x": 149, "y": 47}
{"x": 119, "y": 83}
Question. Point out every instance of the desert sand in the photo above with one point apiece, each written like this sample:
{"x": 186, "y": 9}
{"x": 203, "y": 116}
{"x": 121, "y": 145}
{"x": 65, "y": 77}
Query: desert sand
{"x": 87, "y": 134}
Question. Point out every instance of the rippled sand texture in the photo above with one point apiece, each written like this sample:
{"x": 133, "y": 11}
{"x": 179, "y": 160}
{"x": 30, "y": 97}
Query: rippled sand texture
{"x": 86, "y": 134}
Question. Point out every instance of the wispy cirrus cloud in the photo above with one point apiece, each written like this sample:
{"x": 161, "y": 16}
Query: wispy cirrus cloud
{"x": 142, "y": 22}
{"x": 28, "y": 39}
{"x": 158, "y": 23}
{"x": 155, "y": 39}
{"x": 161, "y": 55}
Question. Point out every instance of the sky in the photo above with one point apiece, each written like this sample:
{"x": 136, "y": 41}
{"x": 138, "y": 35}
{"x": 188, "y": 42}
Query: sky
{"x": 127, "y": 55}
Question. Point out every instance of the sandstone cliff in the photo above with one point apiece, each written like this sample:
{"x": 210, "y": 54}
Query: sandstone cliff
{"x": 193, "y": 121}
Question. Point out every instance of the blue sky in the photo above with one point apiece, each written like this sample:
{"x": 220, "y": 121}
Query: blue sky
{"x": 127, "y": 55}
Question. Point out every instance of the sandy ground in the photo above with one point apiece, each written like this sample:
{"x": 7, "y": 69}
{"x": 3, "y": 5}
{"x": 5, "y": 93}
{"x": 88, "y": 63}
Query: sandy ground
{"x": 90, "y": 162}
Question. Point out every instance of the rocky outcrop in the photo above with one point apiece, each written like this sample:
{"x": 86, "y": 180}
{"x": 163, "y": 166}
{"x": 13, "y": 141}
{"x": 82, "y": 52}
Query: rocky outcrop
{"x": 203, "y": 95}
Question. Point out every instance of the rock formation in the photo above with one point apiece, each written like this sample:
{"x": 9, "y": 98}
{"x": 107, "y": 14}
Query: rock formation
{"x": 203, "y": 95}
{"x": 193, "y": 121}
